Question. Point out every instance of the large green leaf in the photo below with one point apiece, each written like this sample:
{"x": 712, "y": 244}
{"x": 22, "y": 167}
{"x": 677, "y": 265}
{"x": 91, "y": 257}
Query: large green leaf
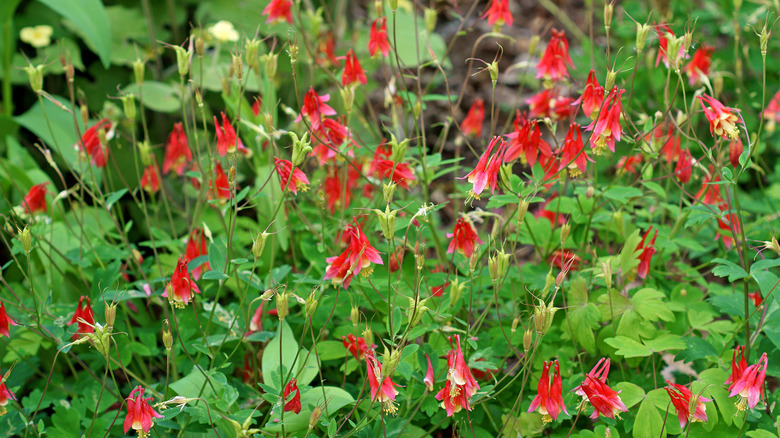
{"x": 583, "y": 316}
{"x": 649, "y": 422}
{"x": 91, "y": 20}
{"x": 304, "y": 366}
{"x": 328, "y": 398}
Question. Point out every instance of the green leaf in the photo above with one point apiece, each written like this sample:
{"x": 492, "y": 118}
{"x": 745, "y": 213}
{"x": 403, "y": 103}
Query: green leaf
{"x": 302, "y": 365}
{"x": 328, "y": 398}
{"x": 630, "y": 393}
{"x": 764, "y": 264}
{"x": 62, "y": 135}
{"x": 696, "y": 348}
{"x": 192, "y": 384}
{"x": 649, "y": 423}
{"x": 91, "y": 20}
{"x": 664, "y": 343}
{"x": 650, "y": 305}
{"x": 218, "y": 254}
{"x": 628, "y": 255}
{"x": 583, "y": 316}
{"x": 214, "y": 275}
{"x": 622, "y": 194}
{"x": 157, "y": 96}
{"x": 728, "y": 269}
{"x": 114, "y": 197}
{"x": 628, "y": 347}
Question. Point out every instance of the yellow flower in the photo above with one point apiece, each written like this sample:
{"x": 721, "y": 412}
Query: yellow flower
{"x": 224, "y": 31}
{"x": 37, "y": 36}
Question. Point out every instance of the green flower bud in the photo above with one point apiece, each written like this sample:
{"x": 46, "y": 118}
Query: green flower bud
{"x": 399, "y": 149}
{"x": 259, "y": 244}
{"x": 430, "y": 19}
{"x": 110, "y": 314}
{"x": 528, "y": 339}
{"x": 606, "y": 271}
{"x": 387, "y": 221}
{"x": 183, "y": 60}
{"x": 128, "y": 103}
{"x": 533, "y": 45}
{"x": 282, "y": 303}
{"x": 610, "y": 82}
{"x": 543, "y": 317}
{"x": 522, "y": 209}
{"x": 354, "y": 315}
{"x": 609, "y": 9}
{"x": 270, "y": 61}
{"x": 26, "y": 238}
{"x": 301, "y": 148}
{"x": 764, "y": 39}
{"x": 35, "y": 75}
{"x": 456, "y": 291}
{"x": 311, "y": 304}
{"x": 368, "y": 335}
{"x": 167, "y": 336}
{"x": 387, "y": 190}
{"x": 145, "y": 152}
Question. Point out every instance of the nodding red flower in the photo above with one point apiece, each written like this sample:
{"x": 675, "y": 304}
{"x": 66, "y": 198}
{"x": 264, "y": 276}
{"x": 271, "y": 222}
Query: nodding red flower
{"x": 472, "y": 124}
{"x": 464, "y": 237}
{"x": 756, "y": 298}
{"x": 383, "y": 167}
{"x": 219, "y": 187}
{"x": 35, "y": 199}
{"x": 353, "y": 72}
{"x": 5, "y": 321}
{"x": 604, "y": 399}
{"x": 385, "y": 391}
{"x": 356, "y": 345}
{"x": 488, "y": 166}
{"x": 549, "y": 400}
{"x": 750, "y": 384}
{"x": 681, "y": 399}
{"x": 5, "y": 395}
{"x": 314, "y": 108}
{"x": 735, "y": 150}
{"x": 278, "y": 11}
{"x": 227, "y": 140}
{"x": 684, "y": 166}
{"x": 723, "y": 121}
{"x": 547, "y": 103}
{"x": 295, "y": 402}
{"x": 552, "y": 65}
{"x": 573, "y": 154}
{"x": 396, "y": 259}
{"x": 482, "y": 374}
{"x": 329, "y": 138}
{"x": 338, "y": 188}
{"x": 725, "y": 231}
{"x": 664, "y": 35}
{"x": 356, "y": 258}
{"x": 256, "y": 323}
{"x": 499, "y": 13}
{"x": 84, "y": 318}
{"x": 327, "y": 50}
{"x": 599, "y": 372}
{"x": 592, "y": 96}
{"x": 196, "y": 247}
{"x": 710, "y": 191}
{"x": 606, "y": 128}
{"x": 554, "y": 218}
{"x": 700, "y": 64}
{"x": 737, "y": 366}
{"x": 257, "y": 105}
{"x": 377, "y": 41}
{"x": 460, "y": 385}
{"x": 92, "y": 145}
{"x": 438, "y": 291}
{"x": 298, "y": 177}
{"x": 647, "y": 253}
{"x": 628, "y": 164}
{"x": 772, "y": 112}
{"x": 526, "y": 142}
{"x": 140, "y": 416}
{"x": 150, "y": 180}
{"x": 180, "y": 288}
{"x": 429, "y": 378}
{"x": 565, "y": 259}
{"x": 177, "y": 152}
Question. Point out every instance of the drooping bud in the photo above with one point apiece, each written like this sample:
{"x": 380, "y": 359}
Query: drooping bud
{"x": 259, "y": 244}
{"x": 267, "y": 295}
{"x": 35, "y": 75}
{"x": 282, "y": 303}
{"x": 387, "y": 190}
{"x": 772, "y": 245}
{"x": 589, "y": 192}
{"x": 687, "y": 41}
{"x": 301, "y": 148}
{"x": 515, "y": 322}
{"x": 26, "y": 238}
{"x": 167, "y": 336}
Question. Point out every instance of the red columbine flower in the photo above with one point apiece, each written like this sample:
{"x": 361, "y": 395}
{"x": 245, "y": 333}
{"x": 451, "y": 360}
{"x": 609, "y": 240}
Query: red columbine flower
{"x": 735, "y": 150}
{"x": 565, "y": 259}
{"x": 377, "y": 41}
{"x": 180, "y": 289}
{"x": 526, "y": 143}
{"x": 177, "y": 152}
{"x": 385, "y": 392}
{"x": 499, "y": 13}
{"x": 5, "y": 395}
{"x": 353, "y": 72}
{"x": 750, "y": 384}
{"x": 219, "y": 187}
{"x": 548, "y": 398}
{"x": 552, "y": 65}
{"x": 139, "y": 414}
{"x": 35, "y": 199}
{"x": 684, "y": 166}
{"x": 628, "y": 164}
{"x": 227, "y": 140}
{"x": 338, "y": 188}
{"x": 723, "y": 121}
{"x": 599, "y": 372}
{"x": 357, "y": 257}
{"x": 710, "y": 192}
{"x": 737, "y": 366}
{"x": 196, "y": 247}
{"x": 460, "y": 385}
{"x": 664, "y": 35}
{"x": 92, "y": 145}
{"x": 84, "y": 318}
{"x": 647, "y": 253}
{"x": 756, "y": 298}
{"x": 700, "y": 64}
{"x": 383, "y": 167}
{"x": 278, "y": 11}
{"x": 592, "y": 95}
{"x": 772, "y": 112}
{"x": 5, "y": 321}
{"x": 256, "y": 323}
{"x": 429, "y": 378}
{"x": 356, "y": 345}
{"x": 298, "y": 177}
{"x": 573, "y": 154}
{"x": 681, "y": 399}
{"x": 604, "y": 399}
{"x": 326, "y": 46}
{"x": 314, "y": 107}
{"x": 329, "y": 138}
{"x": 472, "y": 124}
{"x": 464, "y": 236}
{"x": 486, "y": 172}
{"x": 606, "y": 128}
{"x": 725, "y": 228}
{"x": 295, "y": 403}
{"x": 150, "y": 180}
{"x": 547, "y": 103}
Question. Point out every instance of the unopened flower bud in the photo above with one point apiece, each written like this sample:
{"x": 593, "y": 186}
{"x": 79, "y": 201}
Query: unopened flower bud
{"x": 398, "y": 149}
{"x": 84, "y": 110}
{"x": 641, "y": 36}
{"x": 474, "y": 259}
{"x": 354, "y": 315}
{"x": 387, "y": 190}
{"x": 259, "y": 244}
{"x": 606, "y": 270}
{"x": 282, "y": 303}
{"x": 610, "y": 82}
{"x": 378, "y": 8}
{"x": 253, "y": 55}
{"x": 128, "y": 103}
{"x": 493, "y": 69}
{"x": 617, "y": 219}
{"x": 522, "y": 209}
{"x": 167, "y": 336}
{"x": 348, "y": 97}
{"x": 26, "y": 238}
{"x": 565, "y": 229}
{"x": 386, "y": 221}
{"x": 231, "y": 175}
{"x": 145, "y": 152}
{"x": 138, "y": 71}
{"x": 717, "y": 86}
{"x": 35, "y": 75}
{"x": 183, "y": 60}
{"x": 417, "y": 109}
{"x": 609, "y": 9}
{"x": 515, "y": 322}
{"x": 110, "y": 314}
{"x": 589, "y": 192}
{"x": 200, "y": 45}
{"x": 311, "y": 304}
{"x": 267, "y": 295}
{"x": 301, "y": 148}
{"x": 528, "y": 339}
{"x": 549, "y": 281}
{"x": 419, "y": 260}
{"x": 430, "y": 20}
{"x": 270, "y": 62}
{"x": 393, "y": 5}
{"x": 368, "y": 335}
{"x": 456, "y": 291}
